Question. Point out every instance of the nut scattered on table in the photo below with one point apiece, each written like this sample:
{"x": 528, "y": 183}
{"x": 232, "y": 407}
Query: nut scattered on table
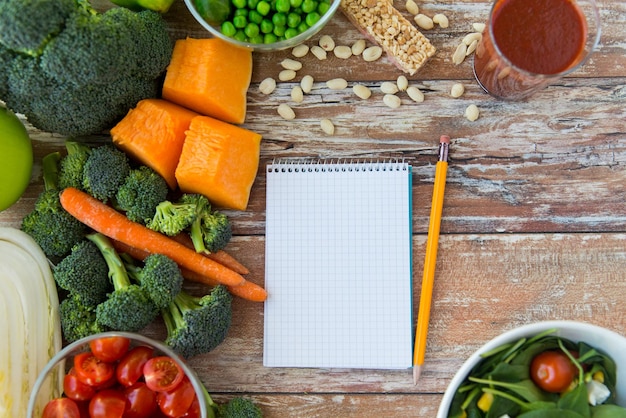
{"x": 300, "y": 51}
{"x": 362, "y": 91}
{"x": 472, "y": 112}
{"x": 457, "y": 90}
{"x": 372, "y": 53}
{"x": 342, "y": 51}
{"x": 307, "y": 83}
{"x": 441, "y": 20}
{"x": 327, "y": 43}
{"x": 389, "y": 87}
{"x": 337, "y": 84}
{"x": 267, "y": 86}
{"x": 459, "y": 54}
{"x": 286, "y": 75}
{"x": 415, "y": 94}
{"x": 327, "y": 126}
{"x": 358, "y": 47}
{"x": 392, "y": 101}
{"x": 286, "y": 112}
{"x": 289, "y": 64}
{"x": 319, "y": 52}
{"x": 412, "y": 7}
{"x": 424, "y": 21}
{"x": 402, "y": 83}
{"x": 297, "y": 95}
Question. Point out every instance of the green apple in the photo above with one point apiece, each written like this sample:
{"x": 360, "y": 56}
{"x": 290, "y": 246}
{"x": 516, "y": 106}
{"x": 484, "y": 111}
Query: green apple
{"x": 16, "y": 158}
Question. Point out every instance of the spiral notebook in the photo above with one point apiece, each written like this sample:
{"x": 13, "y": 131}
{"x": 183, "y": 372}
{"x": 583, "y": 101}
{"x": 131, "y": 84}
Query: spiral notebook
{"x": 338, "y": 265}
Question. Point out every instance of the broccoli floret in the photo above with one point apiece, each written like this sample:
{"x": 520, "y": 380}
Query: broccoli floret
{"x": 55, "y": 230}
{"x": 90, "y": 73}
{"x": 210, "y": 231}
{"x": 84, "y": 273}
{"x": 105, "y": 171}
{"x": 77, "y": 320}
{"x": 27, "y": 25}
{"x": 142, "y": 191}
{"x": 160, "y": 277}
{"x": 128, "y": 307}
{"x": 172, "y": 218}
{"x": 240, "y": 408}
{"x": 73, "y": 164}
{"x": 197, "y": 325}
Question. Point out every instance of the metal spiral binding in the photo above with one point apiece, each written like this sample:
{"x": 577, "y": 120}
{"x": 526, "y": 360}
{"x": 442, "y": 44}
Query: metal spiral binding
{"x": 335, "y": 165}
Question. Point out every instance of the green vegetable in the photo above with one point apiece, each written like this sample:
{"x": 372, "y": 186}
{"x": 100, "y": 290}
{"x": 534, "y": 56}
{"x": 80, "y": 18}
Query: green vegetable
{"x": 17, "y": 162}
{"x": 210, "y": 230}
{"x": 105, "y": 171}
{"x": 213, "y": 11}
{"x": 160, "y": 277}
{"x": 128, "y": 307}
{"x": 142, "y": 191}
{"x": 161, "y": 6}
{"x": 197, "y": 325}
{"x": 85, "y": 274}
{"x": 172, "y": 218}
{"x": 55, "y": 230}
{"x": 71, "y": 170}
{"x": 504, "y": 374}
{"x": 77, "y": 320}
{"x": 240, "y": 408}
{"x": 78, "y": 71}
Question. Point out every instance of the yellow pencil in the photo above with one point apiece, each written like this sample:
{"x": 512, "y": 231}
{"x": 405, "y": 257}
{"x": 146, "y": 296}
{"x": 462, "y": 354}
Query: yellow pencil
{"x": 432, "y": 243}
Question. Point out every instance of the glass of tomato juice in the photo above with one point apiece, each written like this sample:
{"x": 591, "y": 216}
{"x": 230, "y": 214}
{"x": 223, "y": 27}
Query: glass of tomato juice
{"x": 529, "y": 44}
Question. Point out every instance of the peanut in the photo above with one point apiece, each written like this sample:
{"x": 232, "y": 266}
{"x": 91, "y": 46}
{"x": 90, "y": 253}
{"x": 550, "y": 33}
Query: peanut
{"x": 337, "y": 84}
{"x": 306, "y": 83}
{"x": 472, "y": 112}
{"x": 392, "y": 101}
{"x": 412, "y": 7}
{"x": 297, "y": 94}
{"x": 372, "y": 53}
{"x": 441, "y": 20}
{"x": 478, "y": 27}
{"x": 342, "y": 52}
{"x": 267, "y": 86}
{"x": 358, "y": 47}
{"x": 459, "y": 55}
{"x": 415, "y": 94}
{"x": 424, "y": 21}
{"x": 319, "y": 53}
{"x": 286, "y": 75}
{"x": 471, "y": 37}
{"x": 327, "y": 43}
{"x": 289, "y": 64}
{"x": 457, "y": 90}
{"x": 300, "y": 51}
{"x": 286, "y": 112}
{"x": 388, "y": 87}
{"x": 362, "y": 91}
{"x": 327, "y": 126}
{"x": 402, "y": 83}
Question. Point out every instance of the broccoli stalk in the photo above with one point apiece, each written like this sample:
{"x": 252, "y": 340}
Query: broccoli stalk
{"x": 172, "y": 218}
{"x": 160, "y": 277}
{"x": 84, "y": 273}
{"x": 140, "y": 194}
{"x": 73, "y": 164}
{"x": 128, "y": 307}
{"x": 197, "y": 325}
{"x": 55, "y": 230}
{"x": 210, "y": 230}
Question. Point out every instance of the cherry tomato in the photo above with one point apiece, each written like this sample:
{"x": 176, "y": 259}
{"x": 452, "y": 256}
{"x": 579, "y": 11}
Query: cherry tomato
{"x": 61, "y": 408}
{"x": 107, "y": 403}
{"x": 162, "y": 373}
{"x": 552, "y": 371}
{"x": 141, "y": 401}
{"x": 91, "y": 370}
{"x": 177, "y": 402}
{"x": 130, "y": 367}
{"x": 194, "y": 410}
{"x": 75, "y": 389}
{"x": 109, "y": 349}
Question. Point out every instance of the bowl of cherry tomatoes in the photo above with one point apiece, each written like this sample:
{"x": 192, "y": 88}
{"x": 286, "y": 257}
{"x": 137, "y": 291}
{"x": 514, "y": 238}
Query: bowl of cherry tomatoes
{"x": 544, "y": 369}
{"x": 117, "y": 374}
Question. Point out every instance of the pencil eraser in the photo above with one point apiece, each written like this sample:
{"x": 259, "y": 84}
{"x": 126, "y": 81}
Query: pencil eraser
{"x": 444, "y": 139}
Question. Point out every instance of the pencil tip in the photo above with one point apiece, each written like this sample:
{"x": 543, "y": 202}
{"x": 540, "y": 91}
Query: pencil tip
{"x": 417, "y": 370}
{"x": 444, "y": 139}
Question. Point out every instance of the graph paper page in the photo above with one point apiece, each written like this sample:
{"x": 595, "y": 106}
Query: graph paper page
{"x": 338, "y": 266}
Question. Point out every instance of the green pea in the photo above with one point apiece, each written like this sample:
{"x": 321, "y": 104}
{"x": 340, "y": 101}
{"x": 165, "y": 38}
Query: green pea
{"x": 279, "y": 19}
{"x": 291, "y": 32}
{"x": 213, "y": 11}
{"x": 312, "y": 18}
{"x": 240, "y": 4}
{"x": 267, "y": 26}
{"x": 302, "y": 27}
{"x": 241, "y": 12}
{"x": 240, "y": 22}
{"x": 263, "y": 8}
{"x": 254, "y": 16}
{"x": 295, "y": 3}
{"x": 293, "y": 20}
{"x": 258, "y": 39}
{"x": 252, "y": 4}
{"x": 240, "y": 36}
{"x": 309, "y": 5}
{"x": 251, "y": 30}
{"x": 322, "y": 8}
{"x": 269, "y": 38}
{"x": 283, "y": 6}
{"x": 279, "y": 31}
{"x": 229, "y": 29}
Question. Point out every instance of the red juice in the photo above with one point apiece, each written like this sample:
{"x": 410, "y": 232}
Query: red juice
{"x": 528, "y": 44}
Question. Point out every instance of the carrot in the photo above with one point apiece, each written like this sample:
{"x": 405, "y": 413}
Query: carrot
{"x": 106, "y": 220}
{"x": 220, "y": 256}
{"x": 248, "y": 290}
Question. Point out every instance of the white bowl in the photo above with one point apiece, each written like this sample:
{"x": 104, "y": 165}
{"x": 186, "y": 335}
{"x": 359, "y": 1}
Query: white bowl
{"x": 609, "y": 342}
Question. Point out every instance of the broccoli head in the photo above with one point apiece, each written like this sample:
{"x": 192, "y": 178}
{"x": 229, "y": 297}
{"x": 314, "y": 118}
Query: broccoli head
{"x": 73, "y": 165}
{"x": 128, "y": 307}
{"x": 51, "y": 226}
{"x": 172, "y": 218}
{"x": 160, "y": 277}
{"x": 142, "y": 191}
{"x": 240, "y": 408}
{"x": 27, "y": 25}
{"x": 77, "y": 320}
{"x": 197, "y": 325}
{"x": 84, "y": 273}
{"x": 89, "y": 72}
{"x": 210, "y": 230}
{"x": 105, "y": 171}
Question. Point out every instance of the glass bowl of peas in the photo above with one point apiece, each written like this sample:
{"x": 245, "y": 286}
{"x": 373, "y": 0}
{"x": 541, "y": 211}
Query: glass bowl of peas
{"x": 263, "y": 25}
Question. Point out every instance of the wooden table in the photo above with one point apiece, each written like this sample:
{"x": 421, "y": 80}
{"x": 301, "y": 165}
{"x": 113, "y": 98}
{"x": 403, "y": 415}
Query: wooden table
{"x": 534, "y": 224}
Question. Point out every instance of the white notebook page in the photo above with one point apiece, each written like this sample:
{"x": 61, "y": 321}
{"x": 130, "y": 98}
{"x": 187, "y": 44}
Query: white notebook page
{"x": 338, "y": 266}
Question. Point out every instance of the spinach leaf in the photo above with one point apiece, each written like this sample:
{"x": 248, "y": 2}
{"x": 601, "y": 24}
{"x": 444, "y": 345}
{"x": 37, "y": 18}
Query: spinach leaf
{"x": 525, "y": 388}
{"x": 550, "y": 413}
{"x": 608, "y": 411}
